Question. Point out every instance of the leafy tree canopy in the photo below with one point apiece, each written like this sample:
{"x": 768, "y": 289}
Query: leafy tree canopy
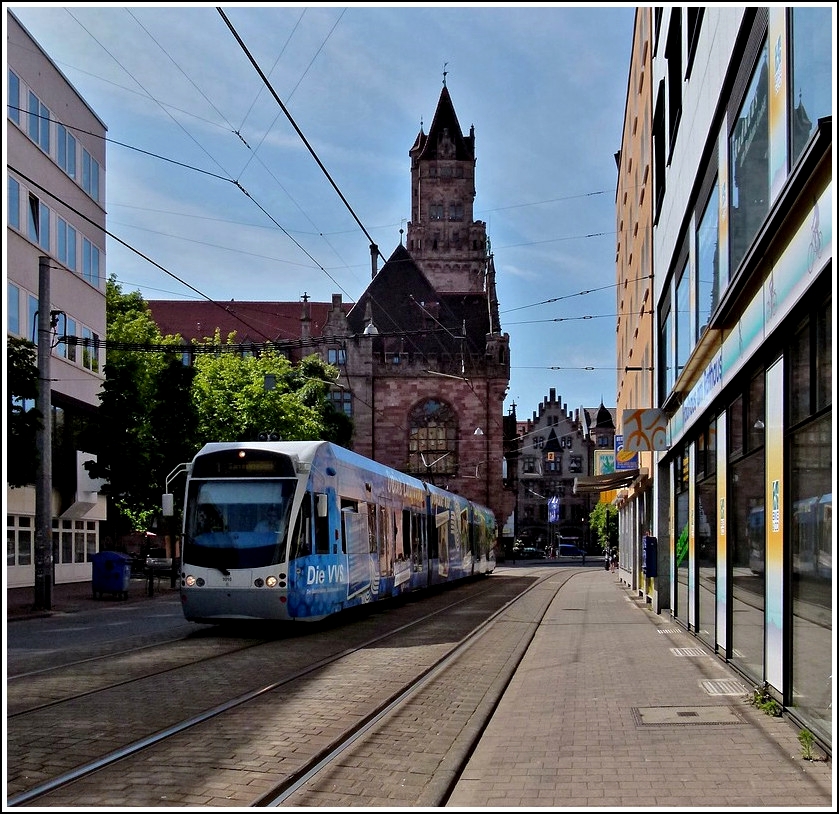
{"x": 156, "y": 413}
{"x": 238, "y": 397}
{"x": 23, "y": 419}
{"x": 603, "y": 521}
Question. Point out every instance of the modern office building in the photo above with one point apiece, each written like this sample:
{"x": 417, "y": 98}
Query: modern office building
{"x": 55, "y": 210}
{"x": 739, "y": 178}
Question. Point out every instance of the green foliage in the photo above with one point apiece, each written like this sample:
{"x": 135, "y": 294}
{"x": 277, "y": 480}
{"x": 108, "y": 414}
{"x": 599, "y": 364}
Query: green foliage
{"x": 235, "y": 398}
{"x": 603, "y": 521}
{"x": 156, "y": 413}
{"x": 23, "y": 420}
{"x": 806, "y": 739}
{"x": 763, "y": 700}
{"x": 142, "y": 424}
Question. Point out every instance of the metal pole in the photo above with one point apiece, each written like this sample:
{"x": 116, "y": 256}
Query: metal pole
{"x": 44, "y": 566}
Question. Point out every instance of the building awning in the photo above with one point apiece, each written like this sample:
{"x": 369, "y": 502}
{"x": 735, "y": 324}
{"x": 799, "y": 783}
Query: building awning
{"x": 605, "y": 483}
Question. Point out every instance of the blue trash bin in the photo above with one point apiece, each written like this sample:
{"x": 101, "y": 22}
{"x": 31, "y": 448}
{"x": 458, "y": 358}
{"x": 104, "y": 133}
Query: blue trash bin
{"x": 111, "y": 574}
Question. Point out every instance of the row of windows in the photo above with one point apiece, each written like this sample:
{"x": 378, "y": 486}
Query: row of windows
{"x": 73, "y": 541}
{"x": 39, "y": 129}
{"x": 567, "y": 442}
{"x": 85, "y": 355}
{"x": 53, "y": 234}
{"x": 552, "y": 463}
{"x": 703, "y": 273}
{"x": 445, "y": 171}
{"x": 438, "y": 212}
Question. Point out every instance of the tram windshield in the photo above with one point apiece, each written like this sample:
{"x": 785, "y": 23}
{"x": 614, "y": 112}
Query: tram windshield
{"x": 237, "y": 523}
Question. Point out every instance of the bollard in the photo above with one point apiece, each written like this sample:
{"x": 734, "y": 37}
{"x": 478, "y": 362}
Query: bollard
{"x": 150, "y": 577}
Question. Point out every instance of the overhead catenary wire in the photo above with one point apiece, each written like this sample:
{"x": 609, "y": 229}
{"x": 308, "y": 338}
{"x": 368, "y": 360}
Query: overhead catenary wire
{"x": 227, "y": 307}
{"x": 298, "y": 130}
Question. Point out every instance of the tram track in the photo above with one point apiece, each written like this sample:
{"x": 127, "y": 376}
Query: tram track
{"x": 452, "y": 702}
{"x": 344, "y": 664}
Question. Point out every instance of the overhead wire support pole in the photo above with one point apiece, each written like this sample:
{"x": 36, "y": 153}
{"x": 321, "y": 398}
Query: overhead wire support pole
{"x": 44, "y": 565}
{"x": 299, "y": 131}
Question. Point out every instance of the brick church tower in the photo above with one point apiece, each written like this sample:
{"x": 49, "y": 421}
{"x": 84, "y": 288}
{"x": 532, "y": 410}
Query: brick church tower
{"x": 426, "y": 360}
{"x": 424, "y": 366}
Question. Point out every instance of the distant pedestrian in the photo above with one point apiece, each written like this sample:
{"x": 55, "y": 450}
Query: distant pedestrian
{"x": 583, "y": 557}
{"x": 613, "y": 564}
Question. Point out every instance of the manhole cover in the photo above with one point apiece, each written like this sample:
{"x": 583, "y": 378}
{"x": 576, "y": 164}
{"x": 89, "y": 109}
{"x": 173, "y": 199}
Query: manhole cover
{"x": 684, "y": 716}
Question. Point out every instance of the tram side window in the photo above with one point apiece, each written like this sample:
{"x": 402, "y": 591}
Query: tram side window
{"x": 406, "y": 534}
{"x": 302, "y": 540}
{"x": 351, "y": 506}
{"x": 321, "y": 530}
{"x": 386, "y": 538}
{"x": 371, "y": 528}
{"x": 416, "y": 540}
{"x": 433, "y": 537}
{"x": 465, "y": 540}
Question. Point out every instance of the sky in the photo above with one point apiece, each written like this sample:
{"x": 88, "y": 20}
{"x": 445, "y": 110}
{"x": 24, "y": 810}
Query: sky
{"x": 218, "y": 195}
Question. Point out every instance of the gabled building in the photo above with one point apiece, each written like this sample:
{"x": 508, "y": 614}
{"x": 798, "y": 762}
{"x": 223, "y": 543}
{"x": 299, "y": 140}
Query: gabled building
{"x": 557, "y": 450}
{"x": 424, "y": 363}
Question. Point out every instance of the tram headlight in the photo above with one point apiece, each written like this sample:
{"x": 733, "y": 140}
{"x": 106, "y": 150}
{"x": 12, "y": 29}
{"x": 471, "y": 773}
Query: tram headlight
{"x": 271, "y": 581}
{"x": 189, "y": 581}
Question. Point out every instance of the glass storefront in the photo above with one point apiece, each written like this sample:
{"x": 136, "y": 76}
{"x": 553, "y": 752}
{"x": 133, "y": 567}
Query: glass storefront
{"x": 706, "y": 538}
{"x": 810, "y": 526}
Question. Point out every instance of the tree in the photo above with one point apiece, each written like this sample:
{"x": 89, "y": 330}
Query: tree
{"x": 133, "y": 431}
{"x": 238, "y": 397}
{"x": 603, "y": 521}
{"x": 155, "y": 412}
{"x": 23, "y": 420}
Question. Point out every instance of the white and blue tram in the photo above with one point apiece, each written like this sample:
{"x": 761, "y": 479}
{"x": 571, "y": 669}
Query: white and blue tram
{"x": 300, "y": 530}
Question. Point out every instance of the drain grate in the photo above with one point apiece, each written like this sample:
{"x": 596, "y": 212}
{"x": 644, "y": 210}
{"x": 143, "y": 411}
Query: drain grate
{"x": 685, "y": 716}
{"x": 688, "y": 651}
{"x": 723, "y": 686}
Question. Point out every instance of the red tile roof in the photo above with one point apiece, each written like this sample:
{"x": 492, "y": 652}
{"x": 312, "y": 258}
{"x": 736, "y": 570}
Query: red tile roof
{"x": 251, "y": 321}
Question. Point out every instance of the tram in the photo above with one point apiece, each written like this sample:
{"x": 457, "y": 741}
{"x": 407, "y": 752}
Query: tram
{"x": 302, "y": 530}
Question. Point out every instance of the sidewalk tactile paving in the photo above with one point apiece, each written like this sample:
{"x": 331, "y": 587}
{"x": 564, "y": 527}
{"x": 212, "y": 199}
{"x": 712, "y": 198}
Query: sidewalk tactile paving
{"x": 723, "y": 686}
{"x": 688, "y": 651}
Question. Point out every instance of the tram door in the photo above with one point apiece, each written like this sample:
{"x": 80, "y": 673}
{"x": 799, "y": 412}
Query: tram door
{"x": 356, "y": 534}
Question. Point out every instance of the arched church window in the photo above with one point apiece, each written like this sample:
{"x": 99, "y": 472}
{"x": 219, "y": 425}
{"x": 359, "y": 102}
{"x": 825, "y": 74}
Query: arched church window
{"x": 432, "y": 439}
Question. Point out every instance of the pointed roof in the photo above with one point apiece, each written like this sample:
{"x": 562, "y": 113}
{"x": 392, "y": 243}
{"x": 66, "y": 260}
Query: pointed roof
{"x": 410, "y": 314}
{"x": 604, "y": 419}
{"x": 445, "y": 121}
